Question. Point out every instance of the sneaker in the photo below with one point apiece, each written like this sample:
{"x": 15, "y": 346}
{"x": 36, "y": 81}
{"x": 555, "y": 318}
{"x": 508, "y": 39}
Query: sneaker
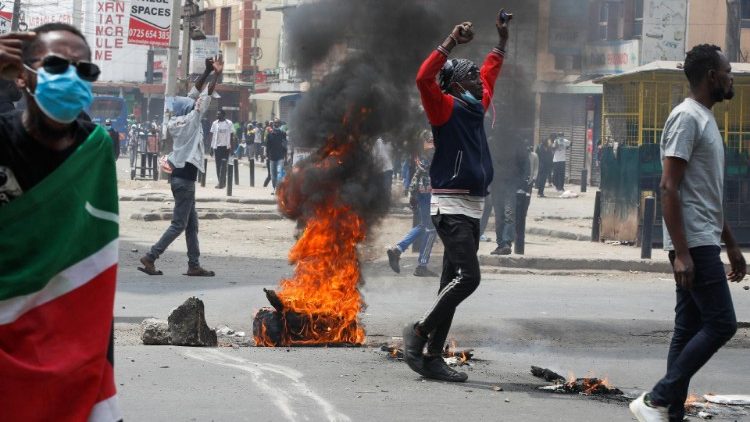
{"x": 645, "y": 412}
{"x": 423, "y": 271}
{"x": 413, "y": 346}
{"x": 484, "y": 238}
{"x": 436, "y": 368}
{"x": 394, "y": 256}
{"x": 501, "y": 250}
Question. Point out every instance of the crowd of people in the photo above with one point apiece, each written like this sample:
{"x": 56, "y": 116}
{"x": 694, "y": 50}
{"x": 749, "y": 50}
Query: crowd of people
{"x": 59, "y": 222}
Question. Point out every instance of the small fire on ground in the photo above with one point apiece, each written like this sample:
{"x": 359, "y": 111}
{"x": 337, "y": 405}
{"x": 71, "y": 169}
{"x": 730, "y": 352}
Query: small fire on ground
{"x": 451, "y": 354}
{"x": 590, "y": 386}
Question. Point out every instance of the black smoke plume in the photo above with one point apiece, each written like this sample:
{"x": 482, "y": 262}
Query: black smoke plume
{"x": 369, "y": 52}
{"x": 372, "y": 50}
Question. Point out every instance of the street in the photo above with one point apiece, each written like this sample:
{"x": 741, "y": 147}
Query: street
{"x": 607, "y": 324}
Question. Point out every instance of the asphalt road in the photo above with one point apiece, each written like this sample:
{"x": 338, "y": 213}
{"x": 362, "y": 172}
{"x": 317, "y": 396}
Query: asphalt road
{"x": 613, "y": 325}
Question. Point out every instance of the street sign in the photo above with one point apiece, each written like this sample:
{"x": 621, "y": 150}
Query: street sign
{"x": 149, "y": 22}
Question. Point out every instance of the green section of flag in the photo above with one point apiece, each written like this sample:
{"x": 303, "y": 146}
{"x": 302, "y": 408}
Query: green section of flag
{"x": 48, "y": 228}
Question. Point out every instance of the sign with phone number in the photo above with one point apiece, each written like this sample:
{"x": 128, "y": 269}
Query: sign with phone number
{"x": 149, "y": 22}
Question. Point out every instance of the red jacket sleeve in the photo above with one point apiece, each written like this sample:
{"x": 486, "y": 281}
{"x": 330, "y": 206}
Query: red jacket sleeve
{"x": 489, "y": 73}
{"x": 437, "y": 105}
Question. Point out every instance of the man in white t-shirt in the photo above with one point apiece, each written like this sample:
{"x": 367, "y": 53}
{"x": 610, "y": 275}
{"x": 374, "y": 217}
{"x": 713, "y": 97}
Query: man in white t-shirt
{"x": 560, "y": 147}
{"x": 692, "y": 186}
{"x": 222, "y": 133}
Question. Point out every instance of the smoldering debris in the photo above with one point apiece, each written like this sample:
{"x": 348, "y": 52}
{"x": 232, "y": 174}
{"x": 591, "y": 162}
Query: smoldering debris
{"x": 451, "y": 356}
{"x": 589, "y": 386}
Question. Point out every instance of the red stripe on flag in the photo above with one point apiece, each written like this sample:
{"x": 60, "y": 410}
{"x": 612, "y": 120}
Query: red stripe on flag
{"x": 53, "y": 359}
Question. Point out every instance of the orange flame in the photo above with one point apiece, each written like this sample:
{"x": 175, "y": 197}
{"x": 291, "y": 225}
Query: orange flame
{"x": 323, "y": 291}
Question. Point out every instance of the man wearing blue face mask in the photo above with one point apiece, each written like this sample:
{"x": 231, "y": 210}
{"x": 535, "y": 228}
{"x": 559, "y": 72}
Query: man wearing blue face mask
{"x": 59, "y": 230}
{"x": 460, "y": 174}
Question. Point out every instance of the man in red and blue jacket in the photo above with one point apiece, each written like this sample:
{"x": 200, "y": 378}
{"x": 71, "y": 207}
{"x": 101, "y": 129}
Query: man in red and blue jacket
{"x": 460, "y": 174}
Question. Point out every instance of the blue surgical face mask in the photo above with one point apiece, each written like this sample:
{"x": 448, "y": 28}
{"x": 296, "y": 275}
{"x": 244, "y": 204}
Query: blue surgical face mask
{"x": 61, "y": 97}
{"x": 470, "y": 98}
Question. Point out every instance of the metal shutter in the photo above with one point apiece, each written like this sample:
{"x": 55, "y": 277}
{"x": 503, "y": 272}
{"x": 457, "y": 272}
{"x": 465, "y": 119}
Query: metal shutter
{"x": 566, "y": 113}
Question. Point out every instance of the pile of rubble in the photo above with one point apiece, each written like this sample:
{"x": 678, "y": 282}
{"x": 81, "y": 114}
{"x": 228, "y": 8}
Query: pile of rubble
{"x": 186, "y": 326}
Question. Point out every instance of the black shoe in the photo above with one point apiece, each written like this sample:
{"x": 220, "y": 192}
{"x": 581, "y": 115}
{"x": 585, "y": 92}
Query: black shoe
{"x": 413, "y": 345}
{"x": 501, "y": 250}
{"x": 435, "y": 367}
{"x": 422, "y": 271}
{"x": 394, "y": 256}
{"x": 219, "y": 187}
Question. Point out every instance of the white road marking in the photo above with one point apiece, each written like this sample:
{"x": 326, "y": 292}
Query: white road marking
{"x": 277, "y": 388}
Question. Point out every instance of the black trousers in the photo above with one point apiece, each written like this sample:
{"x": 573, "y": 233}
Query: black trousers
{"x": 459, "y": 279}
{"x": 558, "y": 175}
{"x": 541, "y": 178}
{"x": 221, "y": 155}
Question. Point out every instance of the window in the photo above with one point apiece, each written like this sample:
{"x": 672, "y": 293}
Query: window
{"x": 745, "y": 13}
{"x": 209, "y": 22}
{"x": 610, "y": 20}
{"x": 745, "y": 9}
{"x": 638, "y": 19}
{"x": 224, "y": 23}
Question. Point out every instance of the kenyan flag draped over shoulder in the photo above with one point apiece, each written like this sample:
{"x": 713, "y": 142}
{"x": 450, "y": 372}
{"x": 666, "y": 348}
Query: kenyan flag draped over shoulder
{"x": 58, "y": 264}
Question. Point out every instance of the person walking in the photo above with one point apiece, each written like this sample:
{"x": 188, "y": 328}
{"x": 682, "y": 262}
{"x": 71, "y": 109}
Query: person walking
{"x": 460, "y": 174}
{"x": 114, "y": 136}
{"x": 420, "y": 199}
{"x": 222, "y": 131}
{"x": 545, "y": 154}
{"x": 276, "y": 149}
{"x": 560, "y": 148}
{"x": 692, "y": 186}
{"x": 186, "y": 160}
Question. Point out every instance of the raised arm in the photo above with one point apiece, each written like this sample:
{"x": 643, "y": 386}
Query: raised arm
{"x": 218, "y": 68}
{"x": 494, "y": 61}
{"x": 437, "y": 105}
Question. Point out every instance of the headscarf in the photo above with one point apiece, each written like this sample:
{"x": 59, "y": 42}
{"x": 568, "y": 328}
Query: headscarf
{"x": 182, "y": 106}
{"x": 457, "y": 70}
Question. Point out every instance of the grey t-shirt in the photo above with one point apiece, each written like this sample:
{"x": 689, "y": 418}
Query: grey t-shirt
{"x": 692, "y": 135}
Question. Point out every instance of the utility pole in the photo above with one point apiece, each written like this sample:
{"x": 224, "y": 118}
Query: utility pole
{"x": 255, "y": 59}
{"x": 733, "y": 30}
{"x": 173, "y": 51}
{"x": 77, "y": 13}
{"x": 185, "y": 60}
{"x": 16, "y": 15}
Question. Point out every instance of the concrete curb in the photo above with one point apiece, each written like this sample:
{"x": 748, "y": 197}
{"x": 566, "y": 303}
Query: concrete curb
{"x": 557, "y": 234}
{"x": 574, "y": 264}
{"x": 247, "y": 216}
{"x": 165, "y": 198}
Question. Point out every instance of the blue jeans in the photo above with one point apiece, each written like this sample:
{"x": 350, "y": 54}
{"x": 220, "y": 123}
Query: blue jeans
{"x": 184, "y": 219}
{"x": 704, "y": 321}
{"x": 276, "y": 166}
{"x": 425, "y": 226}
{"x": 503, "y": 200}
{"x": 406, "y": 174}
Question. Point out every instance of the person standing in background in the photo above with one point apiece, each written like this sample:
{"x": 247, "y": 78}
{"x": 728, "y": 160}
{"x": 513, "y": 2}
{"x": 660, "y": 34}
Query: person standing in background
{"x": 560, "y": 148}
{"x": 222, "y": 131}
{"x": 545, "y": 154}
